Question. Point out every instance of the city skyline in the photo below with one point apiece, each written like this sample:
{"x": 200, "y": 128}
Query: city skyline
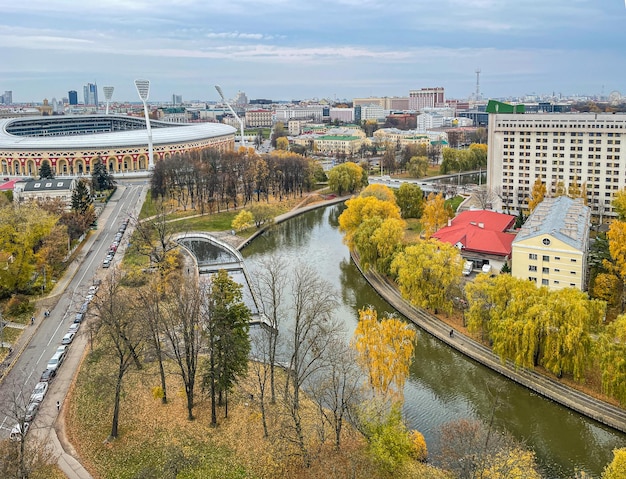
{"x": 292, "y": 50}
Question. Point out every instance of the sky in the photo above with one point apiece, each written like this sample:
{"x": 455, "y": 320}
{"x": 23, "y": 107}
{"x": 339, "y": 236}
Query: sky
{"x": 304, "y": 49}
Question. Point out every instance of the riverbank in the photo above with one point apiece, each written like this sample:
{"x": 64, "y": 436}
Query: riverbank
{"x": 554, "y": 390}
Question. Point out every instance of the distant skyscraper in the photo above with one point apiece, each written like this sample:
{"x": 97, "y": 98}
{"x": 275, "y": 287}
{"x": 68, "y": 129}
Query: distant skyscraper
{"x": 73, "y": 97}
{"x": 90, "y": 92}
{"x": 177, "y": 99}
{"x": 7, "y": 98}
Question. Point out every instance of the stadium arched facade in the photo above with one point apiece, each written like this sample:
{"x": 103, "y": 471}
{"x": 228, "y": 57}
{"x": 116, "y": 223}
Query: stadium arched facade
{"x": 72, "y": 144}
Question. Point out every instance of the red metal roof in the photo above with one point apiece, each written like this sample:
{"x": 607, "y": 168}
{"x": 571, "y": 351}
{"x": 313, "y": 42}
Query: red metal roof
{"x": 9, "y": 184}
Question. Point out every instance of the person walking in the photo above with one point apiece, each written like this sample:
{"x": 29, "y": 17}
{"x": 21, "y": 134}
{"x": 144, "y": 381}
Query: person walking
{"x": 58, "y": 405}
{"x": 32, "y": 320}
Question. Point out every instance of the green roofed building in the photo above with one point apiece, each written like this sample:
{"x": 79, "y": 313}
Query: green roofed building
{"x": 500, "y": 107}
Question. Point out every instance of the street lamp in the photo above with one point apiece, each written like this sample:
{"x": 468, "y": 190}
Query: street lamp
{"x": 108, "y": 93}
{"x": 219, "y": 90}
{"x": 143, "y": 89}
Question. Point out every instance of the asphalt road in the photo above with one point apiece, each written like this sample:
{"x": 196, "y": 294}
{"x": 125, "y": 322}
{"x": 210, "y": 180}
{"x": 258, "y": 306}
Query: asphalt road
{"x": 41, "y": 340}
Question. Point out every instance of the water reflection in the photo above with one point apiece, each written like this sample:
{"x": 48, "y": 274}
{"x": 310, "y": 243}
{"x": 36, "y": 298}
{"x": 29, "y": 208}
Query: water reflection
{"x": 445, "y": 385}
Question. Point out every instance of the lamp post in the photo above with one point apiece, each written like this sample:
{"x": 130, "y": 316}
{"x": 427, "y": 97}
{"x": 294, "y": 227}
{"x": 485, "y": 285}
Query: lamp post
{"x": 219, "y": 90}
{"x": 143, "y": 89}
{"x": 108, "y": 93}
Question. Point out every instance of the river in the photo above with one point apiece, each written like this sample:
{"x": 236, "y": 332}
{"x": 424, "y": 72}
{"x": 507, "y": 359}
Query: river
{"x": 444, "y": 385}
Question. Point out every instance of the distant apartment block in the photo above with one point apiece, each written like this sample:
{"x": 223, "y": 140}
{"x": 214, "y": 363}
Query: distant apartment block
{"x": 426, "y": 98}
{"x": 386, "y": 103}
{"x": 285, "y": 114}
{"x": 345, "y": 115}
{"x": 338, "y": 144}
{"x": 7, "y": 97}
{"x": 259, "y": 118}
{"x": 583, "y": 149}
{"x": 395, "y": 136}
{"x": 551, "y": 248}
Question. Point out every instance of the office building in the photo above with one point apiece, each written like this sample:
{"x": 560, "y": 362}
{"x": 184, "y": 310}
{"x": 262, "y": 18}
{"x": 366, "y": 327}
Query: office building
{"x": 73, "y": 97}
{"x": 7, "y": 98}
{"x": 581, "y": 150}
{"x": 426, "y": 98}
{"x": 90, "y": 93}
{"x": 177, "y": 99}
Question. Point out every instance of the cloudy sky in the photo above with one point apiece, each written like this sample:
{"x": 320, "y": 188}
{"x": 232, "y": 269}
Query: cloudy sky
{"x": 296, "y": 49}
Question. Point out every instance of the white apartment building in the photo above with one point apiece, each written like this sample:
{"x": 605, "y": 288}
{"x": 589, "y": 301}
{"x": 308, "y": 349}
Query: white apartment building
{"x": 583, "y": 149}
{"x": 299, "y": 113}
{"x": 426, "y": 98}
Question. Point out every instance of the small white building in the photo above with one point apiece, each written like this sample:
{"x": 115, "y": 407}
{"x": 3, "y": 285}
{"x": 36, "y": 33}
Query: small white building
{"x": 45, "y": 189}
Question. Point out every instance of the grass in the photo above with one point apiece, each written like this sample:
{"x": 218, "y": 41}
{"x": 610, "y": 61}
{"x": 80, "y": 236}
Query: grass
{"x": 455, "y": 202}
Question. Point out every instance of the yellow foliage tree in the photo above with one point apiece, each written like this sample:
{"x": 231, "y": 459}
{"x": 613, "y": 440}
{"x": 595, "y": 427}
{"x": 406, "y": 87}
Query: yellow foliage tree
{"x": 282, "y": 143}
{"x": 515, "y": 463}
{"x": 428, "y": 274}
{"x": 243, "y": 220}
{"x": 612, "y": 353}
{"x": 360, "y": 209}
{"x": 385, "y": 351}
{"x": 537, "y": 194}
{"x": 617, "y": 248}
{"x": 617, "y": 468}
{"x": 420, "y": 452}
{"x": 619, "y": 204}
{"x": 382, "y": 192}
{"x": 435, "y": 214}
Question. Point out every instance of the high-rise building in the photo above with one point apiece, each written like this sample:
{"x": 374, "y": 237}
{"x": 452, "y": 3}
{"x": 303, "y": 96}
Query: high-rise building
{"x": 7, "y": 98}
{"x": 580, "y": 152}
{"x": 73, "y": 97}
{"x": 426, "y": 98}
{"x": 177, "y": 99}
{"x": 90, "y": 92}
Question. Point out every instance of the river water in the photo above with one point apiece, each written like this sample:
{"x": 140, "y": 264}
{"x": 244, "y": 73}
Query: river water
{"x": 445, "y": 385}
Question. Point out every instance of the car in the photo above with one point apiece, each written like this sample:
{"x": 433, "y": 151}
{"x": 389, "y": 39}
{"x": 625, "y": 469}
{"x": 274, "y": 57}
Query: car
{"x": 47, "y": 375}
{"x": 89, "y": 297}
{"x": 106, "y": 263}
{"x": 84, "y": 307}
{"x": 73, "y": 328}
{"x": 468, "y": 266}
{"x": 55, "y": 361}
{"x": 68, "y": 338}
{"x": 16, "y": 432}
{"x": 79, "y": 317}
{"x": 39, "y": 392}
{"x": 31, "y": 412}
{"x": 93, "y": 289}
{"x": 62, "y": 349}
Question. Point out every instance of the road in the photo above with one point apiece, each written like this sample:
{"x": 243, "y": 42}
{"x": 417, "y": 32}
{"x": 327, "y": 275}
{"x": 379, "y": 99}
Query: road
{"x": 40, "y": 341}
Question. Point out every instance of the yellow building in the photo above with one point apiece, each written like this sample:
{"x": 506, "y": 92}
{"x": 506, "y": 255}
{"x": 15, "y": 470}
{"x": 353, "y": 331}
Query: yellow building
{"x": 551, "y": 248}
{"x": 338, "y": 144}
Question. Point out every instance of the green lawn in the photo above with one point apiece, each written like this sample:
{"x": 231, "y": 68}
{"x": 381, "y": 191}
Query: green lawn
{"x": 455, "y": 202}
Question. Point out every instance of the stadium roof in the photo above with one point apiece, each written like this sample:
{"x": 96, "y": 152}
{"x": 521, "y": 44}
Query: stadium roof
{"x": 162, "y": 132}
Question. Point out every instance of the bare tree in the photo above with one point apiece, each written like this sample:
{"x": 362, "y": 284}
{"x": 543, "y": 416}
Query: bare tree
{"x": 181, "y": 326}
{"x": 313, "y": 303}
{"x": 121, "y": 335}
{"x": 269, "y": 281}
{"x": 484, "y": 196}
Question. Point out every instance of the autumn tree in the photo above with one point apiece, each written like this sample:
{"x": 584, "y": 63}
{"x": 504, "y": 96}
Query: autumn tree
{"x": 428, "y": 274}
{"x": 410, "y": 199}
{"x": 243, "y": 220}
{"x": 121, "y": 335}
{"x": 385, "y": 350}
{"x": 617, "y": 248}
{"x": 418, "y": 166}
{"x": 617, "y": 468}
{"x": 346, "y": 178}
{"x": 537, "y": 194}
{"x": 612, "y": 351}
{"x": 435, "y": 215}
{"x": 619, "y": 204}
{"x": 382, "y": 192}
{"x": 282, "y": 143}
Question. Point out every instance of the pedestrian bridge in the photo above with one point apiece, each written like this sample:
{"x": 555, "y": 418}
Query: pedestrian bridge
{"x": 211, "y": 255}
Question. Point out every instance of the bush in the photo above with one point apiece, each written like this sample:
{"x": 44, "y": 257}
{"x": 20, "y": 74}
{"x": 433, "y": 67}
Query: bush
{"x": 19, "y": 305}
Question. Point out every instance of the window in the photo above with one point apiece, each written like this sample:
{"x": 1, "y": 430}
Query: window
{"x": 532, "y": 267}
{"x": 532, "y": 256}
{"x": 545, "y": 270}
{"x": 546, "y": 258}
{"x": 573, "y": 260}
{"x": 544, "y": 282}
{"x": 532, "y": 279}
{"x": 546, "y": 241}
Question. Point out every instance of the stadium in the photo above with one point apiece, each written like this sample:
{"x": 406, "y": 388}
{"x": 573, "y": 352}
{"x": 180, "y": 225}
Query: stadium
{"x": 72, "y": 144}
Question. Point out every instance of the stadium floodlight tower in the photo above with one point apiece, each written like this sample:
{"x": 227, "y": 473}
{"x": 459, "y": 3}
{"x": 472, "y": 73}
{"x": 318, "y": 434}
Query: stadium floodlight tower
{"x": 143, "y": 89}
{"x": 219, "y": 90}
{"x": 108, "y": 93}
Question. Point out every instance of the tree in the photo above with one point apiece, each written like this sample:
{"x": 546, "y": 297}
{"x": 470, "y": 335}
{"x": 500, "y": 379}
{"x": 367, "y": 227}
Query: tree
{"x": 619, "y": 204}
{"x": 617, "y": 468}
{"x": 81, "y": 197}
{"x": 121, "y": 335}
{"x": 612, "y": 352}
{"x": 418, "y": 166}
{"x": 484, "y": 196}
{"x": 382, "y": 192}
{"x": 345, "y": 178}
{"x": 225, "y": 323}
{"x": 537, "y": 194}
{"x": 435, "y": 215}
{"x": 45, "y": 171}
{"x": 282, "y": 143}
{"x": 428, "y": 274}
{"x": 410, "y": 199}
{"x": 385, "y": 351}
{"x": 617, "y": 247}
{"x": 263, "y": 214}
{"x": 101, "y": 179}
{"x": 243, "y": 220}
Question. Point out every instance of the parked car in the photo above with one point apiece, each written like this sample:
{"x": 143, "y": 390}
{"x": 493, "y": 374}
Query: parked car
{"x": 73, "y": 328}
{"x": 16, "y": 432}
{"x": 31, "y": 412}
{"x": 55, "y": 361}
{"x": 47, "y": 375}
{"x": 62, "y": 349}
{"x": 468, "y": 266}
{"x": 39, "y": 392}
{"x": 68, "y": 338}
{"x": 92, "y": 289}
{"x": 106, "y": 263}
{"x": 79, "y": 317}
{"x": 84, "y": 307}
{"x": 89, "y": 297}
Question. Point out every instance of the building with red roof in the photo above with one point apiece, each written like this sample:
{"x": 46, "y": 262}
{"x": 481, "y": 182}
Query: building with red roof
{"x": 482, "y": 236}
